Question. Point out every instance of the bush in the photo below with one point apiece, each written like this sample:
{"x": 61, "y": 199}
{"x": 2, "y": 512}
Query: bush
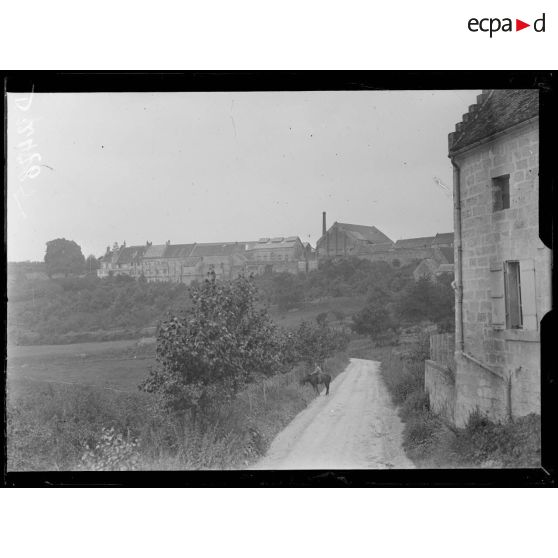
{"x": 426, "y": 300}
{"x": 208, "y": 354}
{"x": 403, "y": 378}
{"x": 430, "y": 442}
{"x": 313, "y": 344}
{"x": 512, "y": 444}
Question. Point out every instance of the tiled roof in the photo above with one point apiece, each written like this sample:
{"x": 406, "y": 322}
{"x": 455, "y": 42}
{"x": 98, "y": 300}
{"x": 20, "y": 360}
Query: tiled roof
{"x": 279, "y": 242}
{"x": 155, "y": 251}
{"x": 364, "y": 232}
{"x": 217, "y": 249}
{"x": 178, "y": 250}
{"x": 420, "y": 242}
{"x": 443, "y": 238}
{"x": 495, "y": 111}
{"x": 127, "y": 254}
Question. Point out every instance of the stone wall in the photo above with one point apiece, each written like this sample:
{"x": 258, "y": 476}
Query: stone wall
{"x": 479, "y": 388}
{"x": 490, "y": 238}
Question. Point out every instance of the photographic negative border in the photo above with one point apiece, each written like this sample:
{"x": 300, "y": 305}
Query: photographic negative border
{"x": 155, "y": 81}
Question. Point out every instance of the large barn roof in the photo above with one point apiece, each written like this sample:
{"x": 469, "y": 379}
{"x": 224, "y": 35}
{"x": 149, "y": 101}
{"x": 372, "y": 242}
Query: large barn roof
{"x": 363, "y": 232}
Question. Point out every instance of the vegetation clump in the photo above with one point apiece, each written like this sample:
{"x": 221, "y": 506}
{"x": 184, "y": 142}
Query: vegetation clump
{"x": 431, "y": 442}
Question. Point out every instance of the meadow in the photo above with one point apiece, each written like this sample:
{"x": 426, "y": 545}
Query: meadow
{"x": 78, "y": 407}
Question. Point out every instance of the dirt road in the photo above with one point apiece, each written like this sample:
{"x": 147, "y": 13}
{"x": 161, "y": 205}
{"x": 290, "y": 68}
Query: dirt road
{"x": 355, "y": 427}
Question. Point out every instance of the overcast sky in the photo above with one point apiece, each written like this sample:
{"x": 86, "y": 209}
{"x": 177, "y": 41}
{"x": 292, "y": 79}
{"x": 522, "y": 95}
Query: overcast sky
{"x": 211, "y": 167}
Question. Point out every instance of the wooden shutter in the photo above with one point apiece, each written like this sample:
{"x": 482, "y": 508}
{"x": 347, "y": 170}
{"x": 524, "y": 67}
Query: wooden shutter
{"x": 497, "y": 295}
{"x": 528, "y": 294}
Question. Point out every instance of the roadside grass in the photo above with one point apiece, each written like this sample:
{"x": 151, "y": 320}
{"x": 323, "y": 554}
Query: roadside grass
{"x": 428, "y": 440}
{"x": 53, "y": 426}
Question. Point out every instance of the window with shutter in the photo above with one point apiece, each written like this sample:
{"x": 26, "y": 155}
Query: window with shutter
{"x": 512, "y": 284}
{"x": 528, "y": 294}
{"x": 497, "y": 296}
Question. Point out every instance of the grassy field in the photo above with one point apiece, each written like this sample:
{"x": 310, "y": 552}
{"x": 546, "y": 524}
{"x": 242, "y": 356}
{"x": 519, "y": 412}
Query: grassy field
{"x": 115, "y": 365}
{"x": 63, "y": 417}
{"x": 122, "y": 365}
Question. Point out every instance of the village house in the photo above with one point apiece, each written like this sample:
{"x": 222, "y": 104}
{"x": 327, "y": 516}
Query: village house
{"x": 185, "y": 263}
{"x": 121, "y": 260}
{"x": 502, "y": 269}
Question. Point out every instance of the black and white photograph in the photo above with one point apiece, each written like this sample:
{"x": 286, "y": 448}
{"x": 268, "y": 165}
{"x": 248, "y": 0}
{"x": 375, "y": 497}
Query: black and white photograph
{"x": 274, "y": 280}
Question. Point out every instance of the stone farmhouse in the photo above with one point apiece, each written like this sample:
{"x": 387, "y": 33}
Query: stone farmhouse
{"x": 122, "y": 260}
{"x": 185, "y": 263}
{"x": 502, "y": 269}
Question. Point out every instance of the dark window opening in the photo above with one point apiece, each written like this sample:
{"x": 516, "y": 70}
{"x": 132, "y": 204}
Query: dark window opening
{"x": 514, "y": 315}
{"x": 501, "y": 192}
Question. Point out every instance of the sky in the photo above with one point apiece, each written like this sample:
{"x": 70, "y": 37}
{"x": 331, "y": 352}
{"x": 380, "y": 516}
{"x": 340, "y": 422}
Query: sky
{"x": 99, "y": 168}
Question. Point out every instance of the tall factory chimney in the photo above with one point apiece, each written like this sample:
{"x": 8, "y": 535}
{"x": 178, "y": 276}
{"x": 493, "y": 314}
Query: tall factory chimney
{"x": 324, "y": 229}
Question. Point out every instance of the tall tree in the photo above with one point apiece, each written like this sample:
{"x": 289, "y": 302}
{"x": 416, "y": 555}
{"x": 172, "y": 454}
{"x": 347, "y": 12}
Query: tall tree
{"x": 208, "y": 353}
{"x": 63, "y": 256}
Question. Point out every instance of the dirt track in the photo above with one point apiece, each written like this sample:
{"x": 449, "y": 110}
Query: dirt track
{"x": 355, "y": 427}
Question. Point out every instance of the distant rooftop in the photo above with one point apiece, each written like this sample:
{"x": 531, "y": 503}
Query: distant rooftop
{"x": 419, "y": 242}
{"x": 363, "y": 232}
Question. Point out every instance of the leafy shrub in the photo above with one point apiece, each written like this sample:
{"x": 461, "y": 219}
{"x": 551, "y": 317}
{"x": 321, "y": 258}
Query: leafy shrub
{"x": 403, "y": 378}
{"x": 208, "y": 354}
{"x": 314, "y": 343}
{"x": 426, "y": 300}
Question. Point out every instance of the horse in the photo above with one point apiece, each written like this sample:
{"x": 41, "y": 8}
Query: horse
{"x": 317, "y": 377}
